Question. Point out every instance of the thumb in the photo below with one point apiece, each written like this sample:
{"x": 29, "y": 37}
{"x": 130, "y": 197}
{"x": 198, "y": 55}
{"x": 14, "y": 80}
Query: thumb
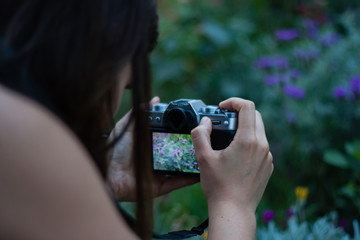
{"x": 201, "y": 138}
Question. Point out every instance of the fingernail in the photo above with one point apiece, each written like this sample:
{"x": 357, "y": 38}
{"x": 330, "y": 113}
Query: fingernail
{"x": 154, "y": 100}
{"x": 204, "y": 120}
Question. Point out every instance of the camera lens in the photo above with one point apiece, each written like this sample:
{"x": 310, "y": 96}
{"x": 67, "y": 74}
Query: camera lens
{"x": 177, "y": 118}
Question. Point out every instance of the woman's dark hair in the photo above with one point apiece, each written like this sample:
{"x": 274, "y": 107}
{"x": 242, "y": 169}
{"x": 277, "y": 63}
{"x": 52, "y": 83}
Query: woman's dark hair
{"x": 67, "y": 55}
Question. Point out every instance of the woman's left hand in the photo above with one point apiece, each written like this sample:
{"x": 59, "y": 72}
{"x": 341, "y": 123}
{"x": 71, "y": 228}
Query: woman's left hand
{"x": 121, "y": 175}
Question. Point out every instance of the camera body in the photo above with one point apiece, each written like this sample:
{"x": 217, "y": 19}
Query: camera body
{"x": 171, "y": 125}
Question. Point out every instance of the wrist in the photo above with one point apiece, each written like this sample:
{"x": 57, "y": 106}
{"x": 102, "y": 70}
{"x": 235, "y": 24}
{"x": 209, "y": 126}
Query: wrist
{"x": 231, "y": 209}
{"x": 230, "y": 220}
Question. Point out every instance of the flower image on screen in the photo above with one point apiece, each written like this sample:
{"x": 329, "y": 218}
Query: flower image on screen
{"x": 174, "y": 152}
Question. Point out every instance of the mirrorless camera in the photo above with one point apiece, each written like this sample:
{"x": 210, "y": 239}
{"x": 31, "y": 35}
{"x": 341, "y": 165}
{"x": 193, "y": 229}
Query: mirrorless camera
{"x": 171, "y": 125}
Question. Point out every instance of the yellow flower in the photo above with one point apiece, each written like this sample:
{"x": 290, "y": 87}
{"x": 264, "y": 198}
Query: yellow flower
{"x": 301, "y": 193}
{"x": 205, "y": 235}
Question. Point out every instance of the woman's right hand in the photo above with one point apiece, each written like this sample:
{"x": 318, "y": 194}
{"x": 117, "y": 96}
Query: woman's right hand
{"x": 236, "y": 176}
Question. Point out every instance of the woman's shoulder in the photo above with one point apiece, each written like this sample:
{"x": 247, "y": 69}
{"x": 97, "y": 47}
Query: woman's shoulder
{"x": 27, "y": 125}
{"x": 21, "y": 116}
{"x": 49, "y": 186}
{"x": 32, "y": 135}
{"x": 30, "y": 131}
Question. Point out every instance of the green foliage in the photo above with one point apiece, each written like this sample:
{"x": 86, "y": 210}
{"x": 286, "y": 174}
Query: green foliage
{"x": 210, "y": 50}
{"x": 197, "y": 50}
{"x": 302, "y": 130}
{"x": 184, "y": 209}
{"x": 350, "y": 160}
{"x": 323, "y": 228}
{"x": 336, "y": 159}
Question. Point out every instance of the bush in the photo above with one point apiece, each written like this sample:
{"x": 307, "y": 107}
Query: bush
{"x": 302, "y": 74}
{"x": 323, "y": 228}
{"x": 310, "y": 104}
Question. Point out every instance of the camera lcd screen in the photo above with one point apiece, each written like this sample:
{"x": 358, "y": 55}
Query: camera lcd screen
{"x": 174, "y": 152}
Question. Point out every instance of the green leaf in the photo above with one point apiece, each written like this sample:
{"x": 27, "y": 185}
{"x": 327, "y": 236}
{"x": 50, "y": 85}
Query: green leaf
{"x": 216, "y": 33}
{"x": 335, "y": 158}
{"x": 353, "y": 149}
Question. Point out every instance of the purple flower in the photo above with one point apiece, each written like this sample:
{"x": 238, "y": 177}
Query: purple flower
{"x": 264, "y": 62}
{"x": 195, "y": 163}
{"x": 184, "y": 141}
{"x": 295, "y": 74}
{"x": 176, "y": 153}
{"x": 306, "y": 54}
{"x": 340, "y": 92}
{"x": 268, "y": 215}
{"x": 272, "y": 80}
{"x": 286, "y": 34}
{"x": 289, "y": 212}
{"x": 294, "y": 91}
{"x": 330, "y": 39}
{"x": 311, "y": 27}
{"x": 290, "y": 117}
{"x": 281, "y": 63}
{"x": 161, "y": 152}
{"x": 343, "y": 223}
{"x": 275, "y": 79}
{"x": 186, "y": 164}
{"x": 278, "y": 62}
{"x": 192, "y": 151}
{"x": 355, "y": 84}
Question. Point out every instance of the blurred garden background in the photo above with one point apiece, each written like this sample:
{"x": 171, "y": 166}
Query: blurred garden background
{"x": 299, "y": 61}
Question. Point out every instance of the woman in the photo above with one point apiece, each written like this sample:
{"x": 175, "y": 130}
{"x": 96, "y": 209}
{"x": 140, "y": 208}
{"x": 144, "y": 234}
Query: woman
{"x": 63, "y": 68}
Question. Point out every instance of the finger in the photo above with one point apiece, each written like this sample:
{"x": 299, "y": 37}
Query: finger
{"x": 246, "y": 117}
{"x": 260, "y": 131}
{"x": 201, "y": 139}
{"x": 266, "y": 168}
{"x": 269, "y": 164}
{"x": 154, "y": 100}
{"x": 271, "y": 160}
